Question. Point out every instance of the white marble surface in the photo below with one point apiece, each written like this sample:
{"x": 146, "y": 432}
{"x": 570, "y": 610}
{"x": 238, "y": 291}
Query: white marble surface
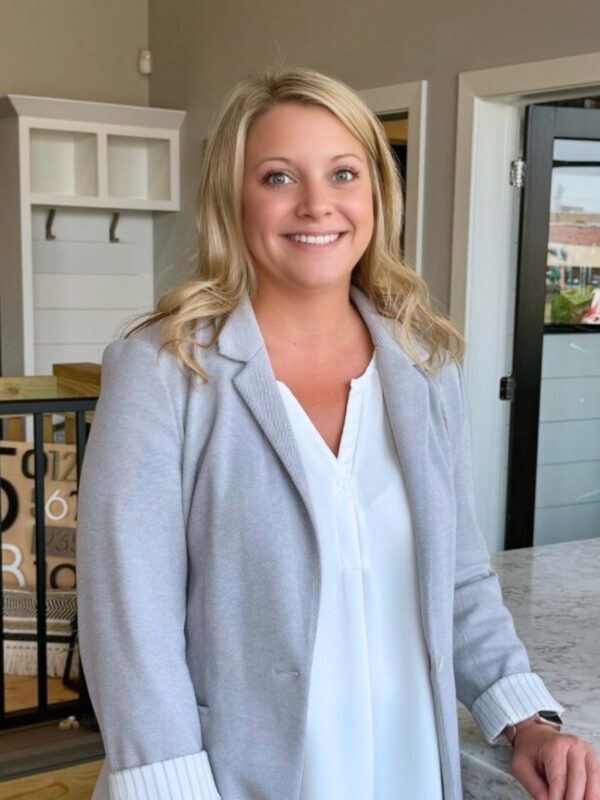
{"x": 553, "y": 593}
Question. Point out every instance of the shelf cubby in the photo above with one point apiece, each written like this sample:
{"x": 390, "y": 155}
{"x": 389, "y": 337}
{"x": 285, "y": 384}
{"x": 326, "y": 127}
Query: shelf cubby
{"x": 63, "y": 162}
{"x": 139, "y": 167}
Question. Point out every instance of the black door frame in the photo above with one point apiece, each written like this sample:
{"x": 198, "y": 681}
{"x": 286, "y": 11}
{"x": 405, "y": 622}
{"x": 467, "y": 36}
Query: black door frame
{"x": 544, "y": 124}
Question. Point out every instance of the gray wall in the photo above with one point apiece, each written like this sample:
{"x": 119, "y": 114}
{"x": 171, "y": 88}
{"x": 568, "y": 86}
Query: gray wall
{"x": 78, "y": 49}
{"x": 201, "y": 48}
{"x": 87, "y": 50}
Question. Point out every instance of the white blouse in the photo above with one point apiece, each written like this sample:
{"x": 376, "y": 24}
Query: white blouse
{"x": 371, "y": 730}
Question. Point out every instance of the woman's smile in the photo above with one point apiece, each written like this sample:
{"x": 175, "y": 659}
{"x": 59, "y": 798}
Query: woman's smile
{"x": 314, "y": 242}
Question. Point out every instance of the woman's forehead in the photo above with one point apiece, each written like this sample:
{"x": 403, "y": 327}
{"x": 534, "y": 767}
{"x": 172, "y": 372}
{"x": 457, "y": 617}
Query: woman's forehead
{"x": 304, "y": 128}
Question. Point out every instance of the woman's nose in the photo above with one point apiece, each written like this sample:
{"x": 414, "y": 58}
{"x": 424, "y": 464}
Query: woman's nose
{"x": 314, "y": 200}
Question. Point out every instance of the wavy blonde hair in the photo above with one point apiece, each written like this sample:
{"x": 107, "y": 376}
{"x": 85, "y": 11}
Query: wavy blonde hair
{"x": 225, "y": 271}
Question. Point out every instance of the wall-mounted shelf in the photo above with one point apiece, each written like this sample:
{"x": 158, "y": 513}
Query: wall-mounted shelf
{"x": 94, "y": 161}
{"x": 102, "y": 169}
{"x": 126, "y": 158}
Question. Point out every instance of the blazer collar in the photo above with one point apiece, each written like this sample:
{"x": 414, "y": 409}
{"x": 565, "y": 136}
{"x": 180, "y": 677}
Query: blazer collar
{"x": 406, "y": 389}
{"x": 240, "y": 338}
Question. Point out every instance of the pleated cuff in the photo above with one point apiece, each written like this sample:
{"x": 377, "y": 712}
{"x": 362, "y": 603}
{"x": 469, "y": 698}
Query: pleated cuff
{"x": 510, "y": 700}
{"x": 184, "y": 778}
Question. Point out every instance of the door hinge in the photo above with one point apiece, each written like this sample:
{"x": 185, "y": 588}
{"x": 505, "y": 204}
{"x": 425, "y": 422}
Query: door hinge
{"x": 507, "y": 387}
{"x": 517, "y": 173}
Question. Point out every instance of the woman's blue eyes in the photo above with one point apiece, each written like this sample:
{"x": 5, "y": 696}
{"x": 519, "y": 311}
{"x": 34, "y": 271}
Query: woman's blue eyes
{"x": 271, "y": 177}
{"x": 352, "y": 172}
{"x": 278, "y": 178}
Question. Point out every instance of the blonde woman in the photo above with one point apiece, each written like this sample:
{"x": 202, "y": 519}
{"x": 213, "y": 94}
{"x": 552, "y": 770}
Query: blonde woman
{"x": 282, "y": 587}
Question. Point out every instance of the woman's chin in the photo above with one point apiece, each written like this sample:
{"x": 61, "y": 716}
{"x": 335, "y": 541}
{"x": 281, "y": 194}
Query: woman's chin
{"x": 314, "y": 280}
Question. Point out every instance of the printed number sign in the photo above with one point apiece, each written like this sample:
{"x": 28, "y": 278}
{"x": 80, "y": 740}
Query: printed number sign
{"x": 17, "y": 507}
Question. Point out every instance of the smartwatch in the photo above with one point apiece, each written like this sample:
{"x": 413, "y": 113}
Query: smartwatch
{"x": 541, "y": 718}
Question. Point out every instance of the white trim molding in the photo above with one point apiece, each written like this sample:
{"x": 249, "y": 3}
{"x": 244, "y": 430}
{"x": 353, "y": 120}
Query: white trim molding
{"x": 408, "y": 98}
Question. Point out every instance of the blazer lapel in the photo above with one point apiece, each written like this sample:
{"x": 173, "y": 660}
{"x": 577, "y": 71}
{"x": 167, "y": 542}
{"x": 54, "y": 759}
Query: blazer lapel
{"x": 242, "y": 340}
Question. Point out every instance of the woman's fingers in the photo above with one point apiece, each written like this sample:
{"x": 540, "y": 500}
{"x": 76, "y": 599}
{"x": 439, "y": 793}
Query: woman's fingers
{"x": 525, "y": 771}
{"x": 576, "y": 773}
{"x": 592, "y": 789}
{"x": 556, "y": 766}
{"x": 571, "y": 769}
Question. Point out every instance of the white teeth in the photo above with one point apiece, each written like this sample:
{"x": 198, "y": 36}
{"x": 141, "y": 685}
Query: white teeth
{"x": 301, "y": 237}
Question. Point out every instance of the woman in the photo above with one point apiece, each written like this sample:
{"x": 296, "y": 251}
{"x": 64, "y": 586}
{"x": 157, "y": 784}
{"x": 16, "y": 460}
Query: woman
{"x": 282, "y": 586}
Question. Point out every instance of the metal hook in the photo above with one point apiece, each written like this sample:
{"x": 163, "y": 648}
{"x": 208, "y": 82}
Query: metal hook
{"x": 113, "y": 226}
{"x": 49, "y": 223}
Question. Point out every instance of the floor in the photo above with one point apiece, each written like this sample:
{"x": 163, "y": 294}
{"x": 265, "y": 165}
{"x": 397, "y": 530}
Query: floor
{"x": 20, "y": 691}
{"x": 43, "y": 760}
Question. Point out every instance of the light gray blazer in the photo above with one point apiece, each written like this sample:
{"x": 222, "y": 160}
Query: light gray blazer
{"x": 198, "y": 566}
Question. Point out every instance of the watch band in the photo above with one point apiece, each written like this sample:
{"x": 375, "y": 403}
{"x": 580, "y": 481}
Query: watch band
{"x": 541, "y": 718}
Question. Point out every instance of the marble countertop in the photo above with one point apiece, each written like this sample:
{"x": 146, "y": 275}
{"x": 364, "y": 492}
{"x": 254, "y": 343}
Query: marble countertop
{"x": 553, "y": 593}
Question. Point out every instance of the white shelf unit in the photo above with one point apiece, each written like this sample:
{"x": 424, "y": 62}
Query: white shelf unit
{"x": 60, "y": 298}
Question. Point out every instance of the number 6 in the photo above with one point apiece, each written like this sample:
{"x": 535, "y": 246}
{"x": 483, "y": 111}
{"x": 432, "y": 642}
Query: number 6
{"x": 56, "y": 498}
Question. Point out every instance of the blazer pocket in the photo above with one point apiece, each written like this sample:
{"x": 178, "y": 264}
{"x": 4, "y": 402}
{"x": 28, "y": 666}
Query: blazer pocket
{"x": 203, "y": 710}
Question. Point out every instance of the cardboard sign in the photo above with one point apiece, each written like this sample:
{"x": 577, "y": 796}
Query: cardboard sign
{"x": 17, "y": 507}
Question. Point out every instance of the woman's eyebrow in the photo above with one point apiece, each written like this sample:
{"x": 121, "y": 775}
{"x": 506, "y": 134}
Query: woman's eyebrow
{"x": 289, "y": 161}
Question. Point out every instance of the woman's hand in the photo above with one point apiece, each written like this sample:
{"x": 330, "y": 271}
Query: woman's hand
{"x": 555, "y": 766}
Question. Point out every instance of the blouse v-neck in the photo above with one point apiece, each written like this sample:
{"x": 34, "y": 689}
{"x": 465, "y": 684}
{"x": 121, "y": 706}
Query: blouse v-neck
{"x": 343, "y": 460}
{"x": 370, "y": 670}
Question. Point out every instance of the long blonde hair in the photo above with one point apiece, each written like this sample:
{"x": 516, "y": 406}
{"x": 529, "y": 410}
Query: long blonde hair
{"x": 225, "y": 270}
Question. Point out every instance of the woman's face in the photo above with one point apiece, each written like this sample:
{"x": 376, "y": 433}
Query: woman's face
{"x": 306, "y": 200}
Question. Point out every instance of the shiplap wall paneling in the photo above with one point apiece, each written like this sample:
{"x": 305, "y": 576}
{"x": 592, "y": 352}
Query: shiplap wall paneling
{"x": 85, "y": 287}
{"x": 568, "y": 469}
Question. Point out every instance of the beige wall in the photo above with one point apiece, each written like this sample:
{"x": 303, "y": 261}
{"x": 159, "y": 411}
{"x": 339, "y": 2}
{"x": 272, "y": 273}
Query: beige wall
{"x": 201, "y": 48}
{"x": 78, "y": 49}
{"x": 86, "y": 49}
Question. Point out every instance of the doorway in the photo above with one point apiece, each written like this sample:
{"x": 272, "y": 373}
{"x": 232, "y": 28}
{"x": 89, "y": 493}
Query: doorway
{"x": 553, "y": 492}
{"x": 485, "y": 247}
{"x": 403, "y": 110}
{"x": 396, "y": 130}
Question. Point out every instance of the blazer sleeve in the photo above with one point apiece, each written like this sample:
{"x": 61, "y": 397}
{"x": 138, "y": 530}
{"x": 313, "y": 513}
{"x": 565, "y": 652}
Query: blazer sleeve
{"x": 492, "y": 670}
{"x": 131, "y": 581}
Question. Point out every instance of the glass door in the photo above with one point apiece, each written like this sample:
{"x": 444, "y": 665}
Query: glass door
{"x": 554, "y": 459}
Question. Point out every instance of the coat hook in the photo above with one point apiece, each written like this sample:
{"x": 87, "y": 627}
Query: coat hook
{"x": 49, "y": 223}
{"x": 113, "y": 226}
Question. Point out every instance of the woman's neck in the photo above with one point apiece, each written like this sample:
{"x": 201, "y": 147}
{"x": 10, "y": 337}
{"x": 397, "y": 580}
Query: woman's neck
{"x": 309, "y": 323}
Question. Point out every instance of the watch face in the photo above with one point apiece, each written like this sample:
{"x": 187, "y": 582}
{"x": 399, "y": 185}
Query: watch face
{"x": 551, "y": 716}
